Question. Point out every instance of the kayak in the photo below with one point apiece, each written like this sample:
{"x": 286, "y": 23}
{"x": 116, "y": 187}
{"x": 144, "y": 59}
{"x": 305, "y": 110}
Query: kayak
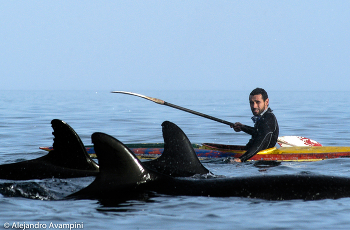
{"x": 294, "y": 153}
{"x": 211, "y": 150}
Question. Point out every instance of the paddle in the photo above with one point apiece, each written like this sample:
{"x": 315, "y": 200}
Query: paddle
{"x": 284, "y": 141}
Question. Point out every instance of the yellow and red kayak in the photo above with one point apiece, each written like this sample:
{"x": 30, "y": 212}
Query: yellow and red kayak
{"x": 211, "y": 150}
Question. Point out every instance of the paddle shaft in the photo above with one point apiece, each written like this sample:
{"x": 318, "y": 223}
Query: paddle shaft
{"x": 198, "y": 113}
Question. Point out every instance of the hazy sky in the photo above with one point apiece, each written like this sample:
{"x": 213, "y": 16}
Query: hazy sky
{"x": 135, "y": 45}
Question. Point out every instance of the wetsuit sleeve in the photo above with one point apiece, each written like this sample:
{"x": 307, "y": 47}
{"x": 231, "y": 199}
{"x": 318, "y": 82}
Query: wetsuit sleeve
{"x": 248, "y": 129}
{"x": 263, "y": 138}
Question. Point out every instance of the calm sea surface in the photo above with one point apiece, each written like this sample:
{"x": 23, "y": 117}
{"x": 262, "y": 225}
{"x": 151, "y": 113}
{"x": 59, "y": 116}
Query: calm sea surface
{"x": 25, "y": 125}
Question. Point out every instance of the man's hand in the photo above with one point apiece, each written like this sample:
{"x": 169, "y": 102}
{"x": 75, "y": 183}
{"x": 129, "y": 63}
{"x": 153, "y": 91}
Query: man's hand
{"x": 237, "y": 126}
{"x": 235, "y": 160}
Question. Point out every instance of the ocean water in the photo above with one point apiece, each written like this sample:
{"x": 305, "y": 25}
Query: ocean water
{"x": 25, "y": 118}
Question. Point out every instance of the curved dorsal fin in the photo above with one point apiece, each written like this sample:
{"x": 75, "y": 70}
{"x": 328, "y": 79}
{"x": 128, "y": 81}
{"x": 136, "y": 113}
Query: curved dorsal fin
{"x": 179, "y": 158}
{"x": 114, "y": 156}
{"x": 69, "y": 151}
{"x": 121, "y": 173}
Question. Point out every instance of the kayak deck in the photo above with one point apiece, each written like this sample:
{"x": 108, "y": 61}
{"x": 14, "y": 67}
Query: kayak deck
{"x": 210, "y": 150}
{"x": 297, "y": 153}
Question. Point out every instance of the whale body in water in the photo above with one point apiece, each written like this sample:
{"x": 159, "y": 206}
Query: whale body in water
{"x": 123, "y": 176}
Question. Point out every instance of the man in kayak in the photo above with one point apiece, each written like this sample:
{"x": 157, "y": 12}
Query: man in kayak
{"x": 265, "y": 130}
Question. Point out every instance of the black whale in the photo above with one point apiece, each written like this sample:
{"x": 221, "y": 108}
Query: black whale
{"x": 68, "y": 159}
{"x": 122, "y": 175}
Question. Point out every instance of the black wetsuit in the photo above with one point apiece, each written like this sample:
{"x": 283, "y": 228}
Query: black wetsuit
{"x": 264, "y": 134}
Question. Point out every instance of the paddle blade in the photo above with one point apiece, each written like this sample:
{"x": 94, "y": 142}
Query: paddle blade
{"x": 156, "y": 100}
{"x": 289, "y": 141}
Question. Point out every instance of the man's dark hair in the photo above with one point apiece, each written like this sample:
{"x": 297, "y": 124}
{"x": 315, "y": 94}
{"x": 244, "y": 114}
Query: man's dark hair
{"x": 261, "y": 91}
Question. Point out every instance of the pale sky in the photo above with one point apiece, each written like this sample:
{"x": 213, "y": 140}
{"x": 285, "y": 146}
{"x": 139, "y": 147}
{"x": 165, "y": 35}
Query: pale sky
{"x": 181, "y": 45}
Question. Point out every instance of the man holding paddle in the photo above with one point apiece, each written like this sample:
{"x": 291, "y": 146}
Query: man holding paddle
{"x": 264, "y": 133}
{"x": 265, "y": 130}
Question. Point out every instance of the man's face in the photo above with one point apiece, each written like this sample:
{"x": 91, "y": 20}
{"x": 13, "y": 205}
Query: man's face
{"x": 257, "y": 104}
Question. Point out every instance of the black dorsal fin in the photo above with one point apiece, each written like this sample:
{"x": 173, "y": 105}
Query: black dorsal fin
{"x": 121, "y": 173}
{"x": 114, "y": 156}
{"x": 179, "y": 158}
{"x": 69, "y": 151}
